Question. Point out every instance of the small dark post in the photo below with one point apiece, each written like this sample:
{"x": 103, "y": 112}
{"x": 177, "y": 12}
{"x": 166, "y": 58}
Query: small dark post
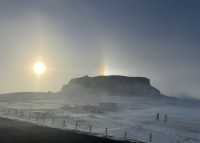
{"x": 8, "y": 112}
{"x": 150, "y": 137}
{"x": 125, "y": 135}
{"x": 76, "y": 125}
{"x": 165, "y": 118}
{"x": 52, "y": 120}
{"x": 37, "y": 118}
{"x": 21, "y": 114}
{"x": 64, "y": 123}
{"x": 157, "y": 116}
{"x": 29, "y": 116}
{"x": 43, "y": 120}
{"x": 90, "y": 128}
{"x": 15, "y": 112}
{"x": 106, "y": 132}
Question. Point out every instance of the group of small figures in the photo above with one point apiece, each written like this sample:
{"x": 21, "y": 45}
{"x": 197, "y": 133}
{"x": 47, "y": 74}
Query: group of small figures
{"x": 158, "y": 119}
{"x": 165, "y": 117}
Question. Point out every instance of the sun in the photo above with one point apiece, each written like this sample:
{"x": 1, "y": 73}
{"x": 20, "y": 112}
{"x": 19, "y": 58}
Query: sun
{"x": 39, "y": 68}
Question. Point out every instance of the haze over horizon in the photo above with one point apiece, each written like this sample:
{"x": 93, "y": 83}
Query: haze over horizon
{"x": 157, "y": 39}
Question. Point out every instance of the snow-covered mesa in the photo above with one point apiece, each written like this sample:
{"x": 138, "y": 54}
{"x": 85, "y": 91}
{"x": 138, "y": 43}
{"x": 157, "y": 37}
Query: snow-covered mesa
{"x": 121, "y": 104}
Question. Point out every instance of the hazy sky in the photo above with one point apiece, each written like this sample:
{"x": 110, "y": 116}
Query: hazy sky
{"x": 158, "y": 39}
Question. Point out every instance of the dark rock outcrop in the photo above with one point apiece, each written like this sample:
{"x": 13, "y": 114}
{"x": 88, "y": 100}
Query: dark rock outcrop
{"x": 111, "y": 85}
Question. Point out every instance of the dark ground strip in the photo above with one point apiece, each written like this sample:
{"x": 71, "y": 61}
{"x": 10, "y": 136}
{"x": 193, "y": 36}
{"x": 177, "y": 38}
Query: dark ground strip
{"x": 12, "y": 131}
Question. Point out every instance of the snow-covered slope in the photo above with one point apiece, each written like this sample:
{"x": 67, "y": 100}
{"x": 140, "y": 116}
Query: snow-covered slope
{"x": 135, "y": 115}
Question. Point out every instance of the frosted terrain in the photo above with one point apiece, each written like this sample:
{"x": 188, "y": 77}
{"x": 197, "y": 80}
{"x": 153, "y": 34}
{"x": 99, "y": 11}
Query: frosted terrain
{"x": 132, "y": 114}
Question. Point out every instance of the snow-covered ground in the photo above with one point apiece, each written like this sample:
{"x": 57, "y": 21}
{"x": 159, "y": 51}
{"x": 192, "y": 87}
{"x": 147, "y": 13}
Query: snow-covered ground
{"x": 132, "y": 114}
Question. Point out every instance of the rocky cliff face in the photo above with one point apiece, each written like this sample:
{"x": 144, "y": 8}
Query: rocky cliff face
{"x": 111, "y": 85}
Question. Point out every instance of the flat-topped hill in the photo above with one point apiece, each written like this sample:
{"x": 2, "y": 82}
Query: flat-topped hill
{"x": 112, "y": 85}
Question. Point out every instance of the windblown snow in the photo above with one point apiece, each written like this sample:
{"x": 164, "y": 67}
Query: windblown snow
{"x": 135, "y": 115}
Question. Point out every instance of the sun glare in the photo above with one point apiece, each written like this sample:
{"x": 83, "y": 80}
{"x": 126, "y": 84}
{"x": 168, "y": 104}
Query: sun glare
{"x": 39, "y": 68}
{"x": 104, "y": 70}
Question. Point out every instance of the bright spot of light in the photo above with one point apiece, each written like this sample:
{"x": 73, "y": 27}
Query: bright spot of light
{"x": 39, "y": 68}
